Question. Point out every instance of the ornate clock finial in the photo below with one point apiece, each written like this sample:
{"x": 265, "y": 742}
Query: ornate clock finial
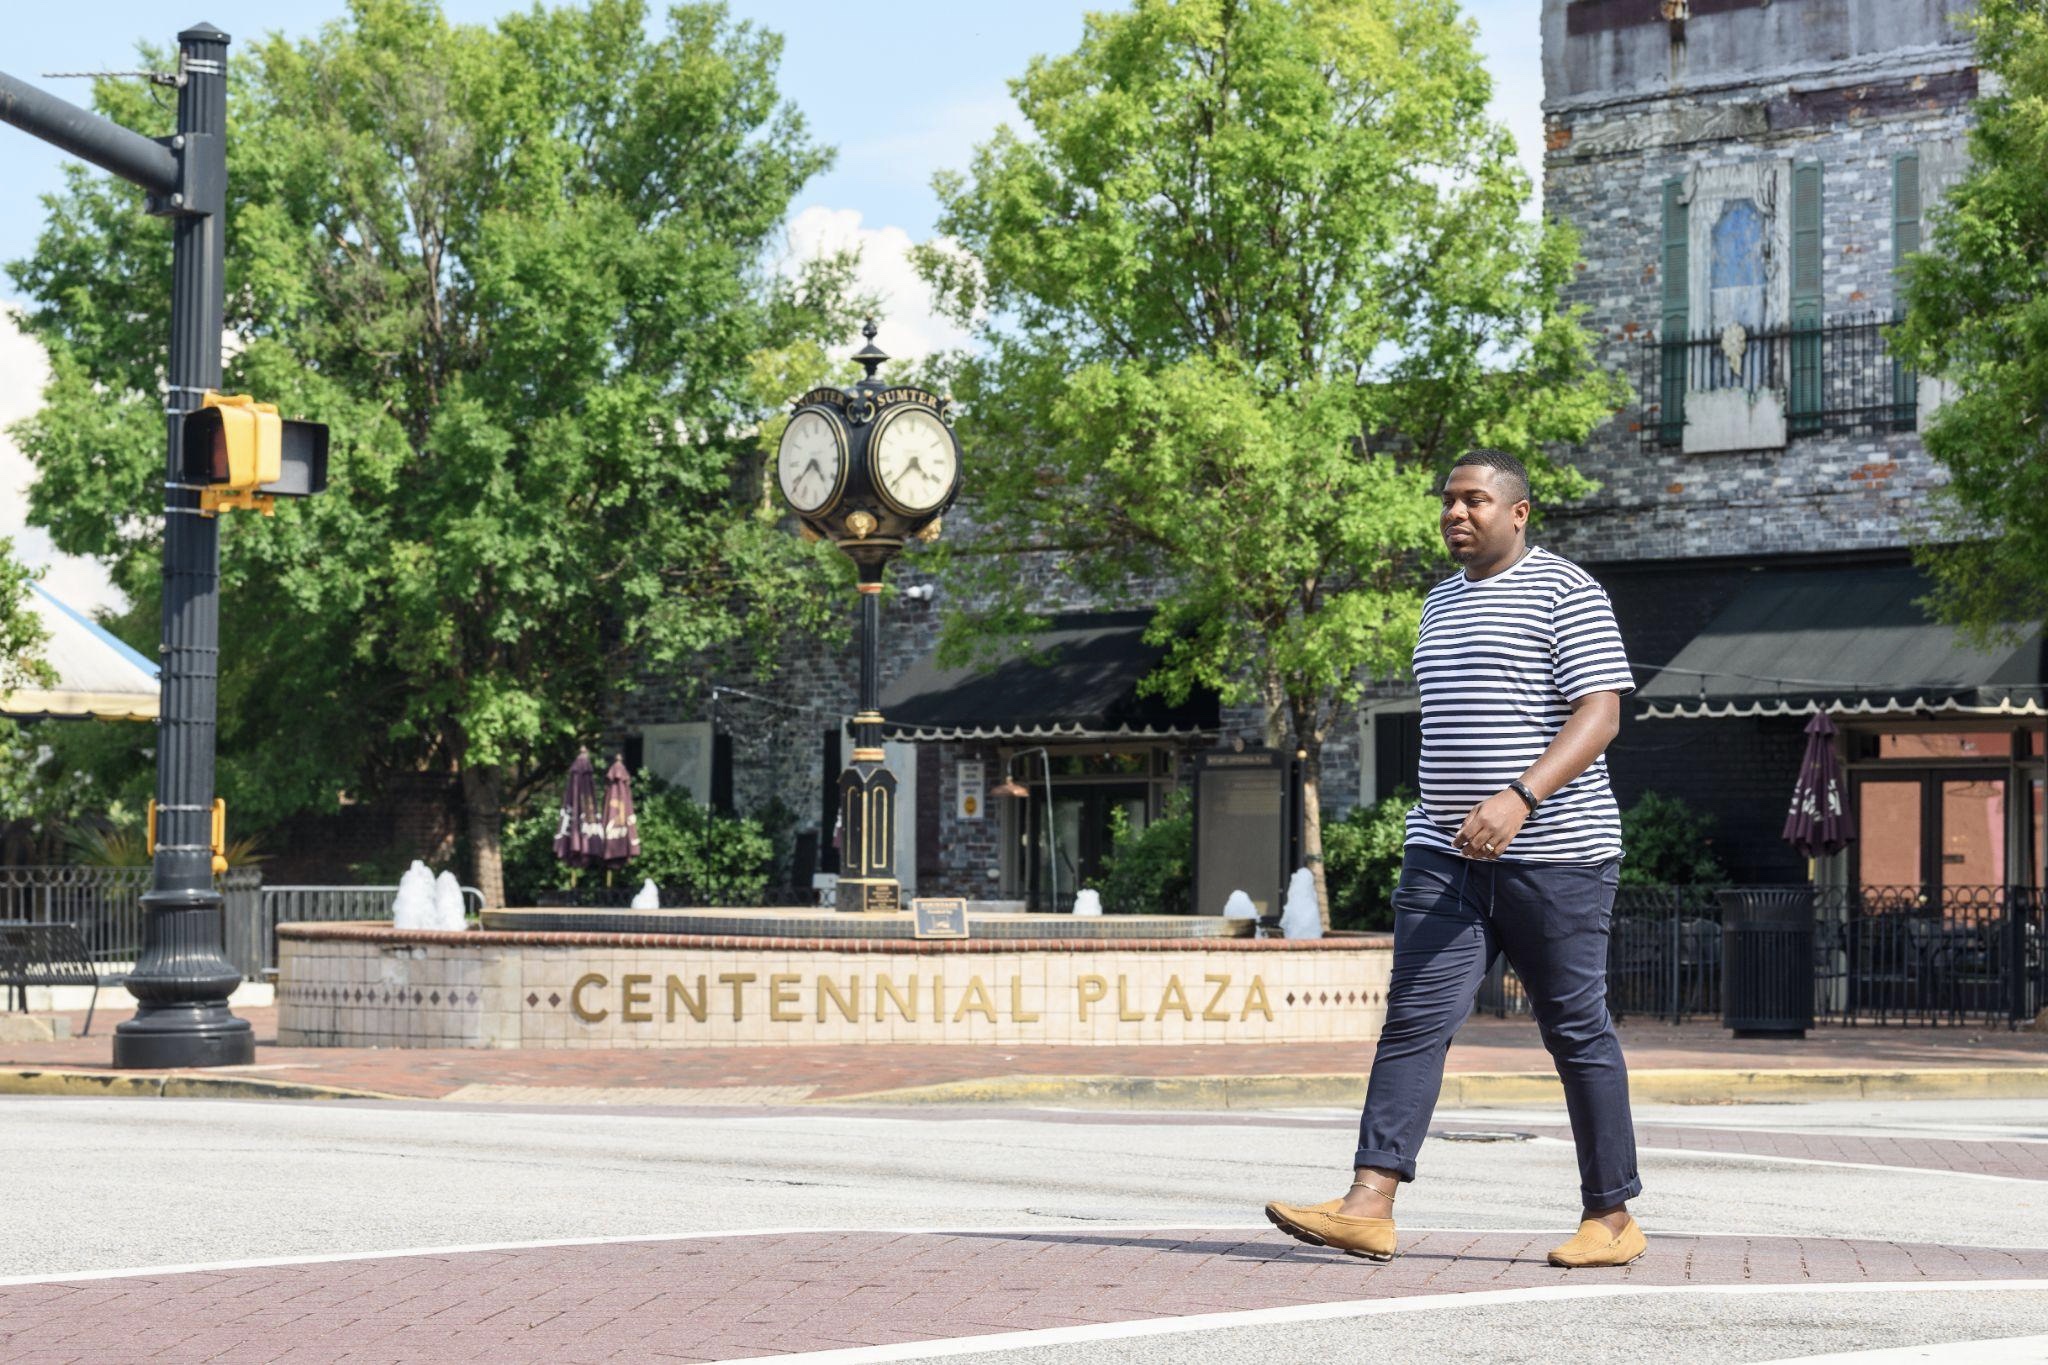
{"x": 870, "y": 356}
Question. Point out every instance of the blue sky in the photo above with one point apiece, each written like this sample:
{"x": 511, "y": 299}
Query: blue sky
{"x": 901, "y": 88}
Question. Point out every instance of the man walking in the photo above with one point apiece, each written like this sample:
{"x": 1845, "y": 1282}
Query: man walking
{"x": 1514, "y": 848}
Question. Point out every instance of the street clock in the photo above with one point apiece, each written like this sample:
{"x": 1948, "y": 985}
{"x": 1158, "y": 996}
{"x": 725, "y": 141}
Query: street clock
{"x": 868, "y": 469}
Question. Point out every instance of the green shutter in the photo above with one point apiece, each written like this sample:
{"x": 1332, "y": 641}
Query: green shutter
{"x": 1905, "y": 241}
{"x": 1806, "y": 387}
{"x": 1905, "y": 207}
{"x": 1676, "y": 264}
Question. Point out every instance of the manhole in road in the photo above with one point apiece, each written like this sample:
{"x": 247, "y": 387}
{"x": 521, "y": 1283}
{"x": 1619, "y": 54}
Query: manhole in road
{"x": 1481, "y": 1135}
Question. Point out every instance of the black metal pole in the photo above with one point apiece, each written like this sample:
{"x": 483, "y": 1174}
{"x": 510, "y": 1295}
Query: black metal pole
{"x": 89, "y": 137}
{"x": 183, "y": 978}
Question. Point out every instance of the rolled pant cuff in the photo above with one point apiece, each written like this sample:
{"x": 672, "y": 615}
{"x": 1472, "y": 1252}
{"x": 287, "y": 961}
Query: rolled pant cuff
{"x": 1607, "y": 1199}
{"x": 1385, "y": 1161}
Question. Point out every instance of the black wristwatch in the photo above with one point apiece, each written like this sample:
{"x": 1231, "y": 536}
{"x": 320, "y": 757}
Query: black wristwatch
{"x": 1521, "y": 789}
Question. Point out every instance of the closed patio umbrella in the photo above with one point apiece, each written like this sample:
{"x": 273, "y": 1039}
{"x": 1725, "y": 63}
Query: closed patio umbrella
{"x": 621, "y": 839}
{"x": 579, "y": 838}
{"x": 1819, "y": 822}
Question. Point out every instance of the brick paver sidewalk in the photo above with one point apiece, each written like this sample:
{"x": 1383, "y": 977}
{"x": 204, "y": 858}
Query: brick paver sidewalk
{"x": 726, "y": 1297}
{"x": 834, "y": 1071}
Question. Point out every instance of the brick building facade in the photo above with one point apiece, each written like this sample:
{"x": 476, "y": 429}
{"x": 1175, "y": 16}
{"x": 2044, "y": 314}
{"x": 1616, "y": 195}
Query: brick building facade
{"x": 1746, "y": 177}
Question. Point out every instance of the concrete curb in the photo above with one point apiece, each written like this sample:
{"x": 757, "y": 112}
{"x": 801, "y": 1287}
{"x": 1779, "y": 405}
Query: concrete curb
{"x": 1474, "y": 1090}
{"x": 176, "y": 1085}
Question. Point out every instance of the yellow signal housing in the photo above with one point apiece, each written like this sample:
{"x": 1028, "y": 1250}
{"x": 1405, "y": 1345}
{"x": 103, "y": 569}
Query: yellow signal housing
{"x": 220, "y": 834}
{"x": 241, "y": 444}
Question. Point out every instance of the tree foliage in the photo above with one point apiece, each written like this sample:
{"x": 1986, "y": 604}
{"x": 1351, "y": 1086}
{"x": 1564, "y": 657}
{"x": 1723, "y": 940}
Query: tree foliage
{"x": 1259, "y": 271}
{"x": 21, "y": 630}
{"x": 1977, "y": 318}
{"x": 522, "y": 273}
{"x": 1668, "y": 843}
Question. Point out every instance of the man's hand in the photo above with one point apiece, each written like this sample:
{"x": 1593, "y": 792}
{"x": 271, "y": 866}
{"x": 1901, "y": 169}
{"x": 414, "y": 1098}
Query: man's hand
{"x": 1489, "y": 827}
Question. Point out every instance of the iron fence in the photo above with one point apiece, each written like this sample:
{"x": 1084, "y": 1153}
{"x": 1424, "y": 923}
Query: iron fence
{"x": 1837, "y": 378}
{"x": 1881, "y": 954}
{"x": 105, "y": 903}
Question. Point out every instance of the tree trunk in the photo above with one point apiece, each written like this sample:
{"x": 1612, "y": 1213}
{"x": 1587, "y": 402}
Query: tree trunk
{"x": 483, "y": 808}
{"x": 1312, "y": 823}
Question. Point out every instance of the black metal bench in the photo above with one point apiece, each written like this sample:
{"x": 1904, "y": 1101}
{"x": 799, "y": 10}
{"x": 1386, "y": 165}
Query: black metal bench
{"x": 50, "y": 955}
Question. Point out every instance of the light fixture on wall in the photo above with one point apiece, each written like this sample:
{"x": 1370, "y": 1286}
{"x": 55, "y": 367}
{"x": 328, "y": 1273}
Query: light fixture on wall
{"x": 1010, "y": 786}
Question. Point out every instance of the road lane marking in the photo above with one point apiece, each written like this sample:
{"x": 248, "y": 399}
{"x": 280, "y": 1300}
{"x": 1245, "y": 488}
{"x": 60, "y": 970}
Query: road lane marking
{"x": 1357, "y": 1308}
{"x": 2001, "y": 1351}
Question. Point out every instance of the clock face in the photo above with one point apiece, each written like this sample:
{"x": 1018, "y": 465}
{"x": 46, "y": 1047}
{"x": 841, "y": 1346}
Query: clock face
{"x": 914, "y": 459}
{"x": 811, "y": 463}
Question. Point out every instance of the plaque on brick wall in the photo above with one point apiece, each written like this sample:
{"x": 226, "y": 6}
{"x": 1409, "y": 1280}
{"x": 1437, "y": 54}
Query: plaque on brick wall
{"x": 940, "y": 918}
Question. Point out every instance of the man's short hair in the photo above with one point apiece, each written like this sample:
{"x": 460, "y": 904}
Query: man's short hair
{"x": 1515, "y": 475}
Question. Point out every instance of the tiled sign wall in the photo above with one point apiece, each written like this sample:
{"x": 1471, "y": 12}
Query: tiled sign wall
{"x": 365, "y": 987}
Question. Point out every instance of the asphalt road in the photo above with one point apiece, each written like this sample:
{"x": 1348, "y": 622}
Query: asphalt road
{"x": 99, "y": 1186}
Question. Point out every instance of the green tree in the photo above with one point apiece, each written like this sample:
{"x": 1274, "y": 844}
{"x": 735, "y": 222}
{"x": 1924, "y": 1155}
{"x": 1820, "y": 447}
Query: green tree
{"x": 1258, "y": 275}
{"x": 21, "y": 630}
{"x": 1668, "y": 843}
{"x": 1977, "y": 318}
{"x": 523, "y": 273}
{"x": 1363, "y": 852}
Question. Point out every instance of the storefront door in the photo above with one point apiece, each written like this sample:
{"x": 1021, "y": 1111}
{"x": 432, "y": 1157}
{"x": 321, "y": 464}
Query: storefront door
{"x": 1931, "y": 829}
{"x": 1082, "y": 820}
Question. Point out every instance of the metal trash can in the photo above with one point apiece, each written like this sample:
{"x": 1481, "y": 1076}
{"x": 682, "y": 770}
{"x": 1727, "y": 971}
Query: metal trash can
{"x": 1767, "y": 962}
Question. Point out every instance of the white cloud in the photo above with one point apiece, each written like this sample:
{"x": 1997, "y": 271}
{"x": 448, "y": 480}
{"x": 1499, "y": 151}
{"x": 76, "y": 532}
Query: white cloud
{"x": 911, "y": 326}
{"x": 82, "y": 583}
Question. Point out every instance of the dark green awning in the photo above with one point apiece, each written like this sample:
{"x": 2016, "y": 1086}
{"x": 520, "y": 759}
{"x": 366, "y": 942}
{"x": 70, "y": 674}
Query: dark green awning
{"x": 1076, "y": 680}
{"x": 1850, "y": 641}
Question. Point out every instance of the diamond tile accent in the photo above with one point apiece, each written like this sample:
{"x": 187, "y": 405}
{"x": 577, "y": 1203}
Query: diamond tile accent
{"x": 532, "y": 999}
{"x": 554, "y": 999}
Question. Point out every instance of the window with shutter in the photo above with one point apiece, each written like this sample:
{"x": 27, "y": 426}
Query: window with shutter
{"x": 1807, "y": 378}
{"x": 1676, "y": 265}
{"x": 1905, "y": 241}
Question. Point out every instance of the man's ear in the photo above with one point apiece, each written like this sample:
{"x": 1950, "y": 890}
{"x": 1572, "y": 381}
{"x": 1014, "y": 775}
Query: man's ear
{"x": 1521, "y": 514}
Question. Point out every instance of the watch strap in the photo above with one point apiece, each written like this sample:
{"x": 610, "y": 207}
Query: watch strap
{"x": 1521, "y": 789}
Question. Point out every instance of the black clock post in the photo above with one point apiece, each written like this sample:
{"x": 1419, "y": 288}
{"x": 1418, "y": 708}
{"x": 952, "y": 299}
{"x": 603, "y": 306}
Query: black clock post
{"x": 894, "y": 468}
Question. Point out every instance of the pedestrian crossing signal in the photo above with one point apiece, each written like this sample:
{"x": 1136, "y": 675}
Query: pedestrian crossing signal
{"x": 240, "y": 453}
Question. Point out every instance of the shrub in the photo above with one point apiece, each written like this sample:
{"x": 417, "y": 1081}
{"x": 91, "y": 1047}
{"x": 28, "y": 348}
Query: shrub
{"x": 1362, "y": 862}
{"x": 1668, "y": 843}
{"x": 691, "y": 852}
{"x": 1151, "y": 871}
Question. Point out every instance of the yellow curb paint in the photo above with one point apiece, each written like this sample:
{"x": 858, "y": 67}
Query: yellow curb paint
{"x": 171, "y": 1085}
{"x": 1472, "y": 1090}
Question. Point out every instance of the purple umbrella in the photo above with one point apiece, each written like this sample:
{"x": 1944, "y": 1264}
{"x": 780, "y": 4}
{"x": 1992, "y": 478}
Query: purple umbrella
{"x": 621, "y": 837}
{"x": 579, "y": 839}
{"x": 1819, "y": 822}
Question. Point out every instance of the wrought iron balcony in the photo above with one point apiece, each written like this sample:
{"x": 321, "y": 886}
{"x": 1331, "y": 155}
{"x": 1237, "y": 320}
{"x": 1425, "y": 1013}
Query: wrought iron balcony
{"x": 1758, "y": 390}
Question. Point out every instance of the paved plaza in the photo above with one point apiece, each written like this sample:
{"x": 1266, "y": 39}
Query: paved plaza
{"x": 189, "y": 1230}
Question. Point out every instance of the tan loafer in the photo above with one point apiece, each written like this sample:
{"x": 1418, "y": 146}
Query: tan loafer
{"x": 1596, "y": 1246}
{"x": 1320, "y": 1225}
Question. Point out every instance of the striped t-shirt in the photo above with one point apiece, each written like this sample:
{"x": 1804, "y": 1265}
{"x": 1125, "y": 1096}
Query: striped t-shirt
{"x": 1498, "y": 663}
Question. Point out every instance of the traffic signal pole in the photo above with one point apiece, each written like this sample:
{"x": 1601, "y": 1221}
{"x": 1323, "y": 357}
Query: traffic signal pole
{"x": 182, "y": 978}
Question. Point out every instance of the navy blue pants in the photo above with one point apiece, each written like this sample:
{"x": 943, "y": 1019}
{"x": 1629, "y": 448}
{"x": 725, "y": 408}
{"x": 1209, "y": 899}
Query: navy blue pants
{"x": 1452, "y": 917}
